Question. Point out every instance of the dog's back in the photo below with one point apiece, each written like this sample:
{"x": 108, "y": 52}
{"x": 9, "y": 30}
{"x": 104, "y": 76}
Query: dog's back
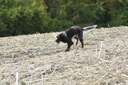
{"x": 74, "y": 30}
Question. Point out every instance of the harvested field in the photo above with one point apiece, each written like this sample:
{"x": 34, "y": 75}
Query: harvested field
{"x": 37, "y": 60}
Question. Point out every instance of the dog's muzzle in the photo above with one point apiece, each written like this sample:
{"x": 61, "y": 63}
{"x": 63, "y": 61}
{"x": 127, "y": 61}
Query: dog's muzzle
{"x": 58, "y": 41}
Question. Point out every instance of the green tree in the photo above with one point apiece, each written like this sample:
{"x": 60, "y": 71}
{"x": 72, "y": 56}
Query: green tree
{"x": 24, "y": 17}
{"x": 2, "y": 29}
{"x": 31, "y": 16}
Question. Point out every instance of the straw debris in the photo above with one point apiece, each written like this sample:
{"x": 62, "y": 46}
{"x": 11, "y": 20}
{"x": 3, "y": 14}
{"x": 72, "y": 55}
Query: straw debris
{"x": 37, "y": 60}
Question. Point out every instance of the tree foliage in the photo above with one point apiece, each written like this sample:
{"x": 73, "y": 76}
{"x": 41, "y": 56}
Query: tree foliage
{"x": 23, "y": 16}
{"x": 19, "y": 17}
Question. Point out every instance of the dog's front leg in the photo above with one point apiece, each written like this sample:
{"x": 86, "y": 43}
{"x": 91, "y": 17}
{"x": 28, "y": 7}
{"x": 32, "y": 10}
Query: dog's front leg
{"x": 69, "y": 45}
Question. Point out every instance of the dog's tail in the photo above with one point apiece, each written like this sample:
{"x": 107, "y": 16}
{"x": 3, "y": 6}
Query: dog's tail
{"x": 89, "y": 27}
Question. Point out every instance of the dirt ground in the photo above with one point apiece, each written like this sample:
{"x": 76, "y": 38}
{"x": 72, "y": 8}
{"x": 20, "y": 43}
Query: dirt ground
{"x": 37, "y": 60}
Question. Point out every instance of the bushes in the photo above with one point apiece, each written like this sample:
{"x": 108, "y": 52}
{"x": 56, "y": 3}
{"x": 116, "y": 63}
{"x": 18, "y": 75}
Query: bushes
{"x": 121, "y": 18}
{"x": 58, "y": 25}
{"x": 3, "y": 28}
{"x": 19, "y": 17}
{"x": 24, "y": 19}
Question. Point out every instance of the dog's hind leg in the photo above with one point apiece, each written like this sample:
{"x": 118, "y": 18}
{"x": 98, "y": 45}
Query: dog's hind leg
{"x": 80, "y": 36}
{"x": 81, "y": 40}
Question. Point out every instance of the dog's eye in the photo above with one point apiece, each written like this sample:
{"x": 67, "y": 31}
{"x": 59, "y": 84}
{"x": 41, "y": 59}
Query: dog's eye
{"x": 57, "y": 36}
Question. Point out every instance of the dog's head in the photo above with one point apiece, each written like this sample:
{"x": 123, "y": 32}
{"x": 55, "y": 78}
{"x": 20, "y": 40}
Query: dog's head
{"x": 58, "y": 40}
{"x": 61, "y": 38}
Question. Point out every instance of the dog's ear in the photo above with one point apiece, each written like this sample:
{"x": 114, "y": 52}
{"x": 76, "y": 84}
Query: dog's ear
{"x": 58, "y": 36}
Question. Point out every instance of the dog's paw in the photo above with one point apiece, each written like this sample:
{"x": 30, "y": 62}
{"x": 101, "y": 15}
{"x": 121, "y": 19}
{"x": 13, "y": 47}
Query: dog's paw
{"x": 67, "y": 50}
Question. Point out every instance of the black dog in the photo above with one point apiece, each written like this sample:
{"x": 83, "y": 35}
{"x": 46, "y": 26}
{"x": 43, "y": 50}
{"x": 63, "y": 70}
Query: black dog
{"x": 74, "y": 31}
